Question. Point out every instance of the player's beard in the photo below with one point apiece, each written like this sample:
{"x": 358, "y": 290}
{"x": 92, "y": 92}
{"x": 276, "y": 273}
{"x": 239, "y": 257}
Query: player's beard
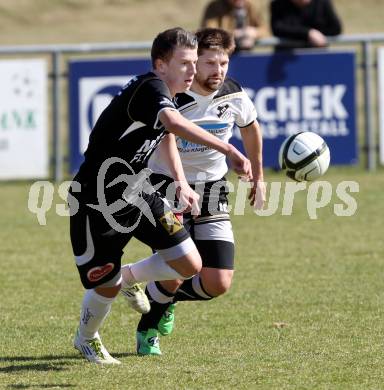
{"x": 208, "y": 84}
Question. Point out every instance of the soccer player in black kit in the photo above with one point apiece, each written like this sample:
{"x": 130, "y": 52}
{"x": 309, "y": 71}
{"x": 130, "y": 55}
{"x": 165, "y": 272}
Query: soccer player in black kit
{"x": 111, "y": 200}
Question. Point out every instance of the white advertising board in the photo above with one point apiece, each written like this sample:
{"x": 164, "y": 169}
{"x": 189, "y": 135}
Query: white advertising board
{"x": 380, "y": 73}
{"x": 23, "y": 119}
{"x": 94, "y": 98}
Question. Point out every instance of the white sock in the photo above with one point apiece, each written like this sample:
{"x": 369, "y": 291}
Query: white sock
{"x": 158, "y": 296}
{"x": 150, "y": 269}
{"x": 127, "y": 279}
{"x": 94, "y": 310}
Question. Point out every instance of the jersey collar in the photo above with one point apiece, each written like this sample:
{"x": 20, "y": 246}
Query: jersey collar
{"x": 198, "y": 97}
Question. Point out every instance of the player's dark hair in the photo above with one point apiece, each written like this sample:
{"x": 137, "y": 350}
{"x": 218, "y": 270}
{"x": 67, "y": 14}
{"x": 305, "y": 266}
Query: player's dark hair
{"x": 167, "y": 41}
{"x": 216, "y": 39}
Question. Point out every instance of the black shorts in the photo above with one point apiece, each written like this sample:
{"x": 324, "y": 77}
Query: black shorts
{"x": 98, "y": 245}
{"x": 212, "y": 229}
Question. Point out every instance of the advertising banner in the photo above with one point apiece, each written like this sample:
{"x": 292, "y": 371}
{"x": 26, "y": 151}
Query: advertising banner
{"x": 302, "y": 92}
{"x": 23, "y": 119}
{"x": 291, "y": 92}
{"x": 92, "y": 85}
{"x": 380, "y": 73}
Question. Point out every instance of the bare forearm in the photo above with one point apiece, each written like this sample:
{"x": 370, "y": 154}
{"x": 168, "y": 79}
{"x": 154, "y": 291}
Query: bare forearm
{"x": 253, "y": 145}
{"x": 175, "y": 123}
{"x": 191, "y": 132}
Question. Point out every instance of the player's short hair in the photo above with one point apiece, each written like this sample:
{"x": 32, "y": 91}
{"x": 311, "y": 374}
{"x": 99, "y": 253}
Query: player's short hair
{"x": 167, "y": 41}
{"x": 215, "y": 39}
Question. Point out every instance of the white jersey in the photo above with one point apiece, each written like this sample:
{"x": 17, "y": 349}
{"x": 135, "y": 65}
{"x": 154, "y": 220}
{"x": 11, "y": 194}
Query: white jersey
{"x": 217, "y": 113}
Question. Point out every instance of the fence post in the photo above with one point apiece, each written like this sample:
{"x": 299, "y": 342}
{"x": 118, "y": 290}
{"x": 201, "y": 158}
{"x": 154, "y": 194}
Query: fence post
{"x": 56, "y": 102}
{"x": 369, "y": 133}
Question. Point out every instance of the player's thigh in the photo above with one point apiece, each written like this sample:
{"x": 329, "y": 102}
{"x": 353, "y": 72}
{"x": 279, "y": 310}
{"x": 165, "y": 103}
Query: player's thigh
{"x": 167, "y": 234}
{"x": 215, "y": 242}
{"x": 97, "y": 247}
{"x": 158, "y": 227}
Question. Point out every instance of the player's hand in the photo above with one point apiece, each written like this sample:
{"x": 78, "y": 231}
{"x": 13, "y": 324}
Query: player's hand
{"x": 257, "y": 195}
{"x": 239, "y": 163}
{"x": 188, "y": 198}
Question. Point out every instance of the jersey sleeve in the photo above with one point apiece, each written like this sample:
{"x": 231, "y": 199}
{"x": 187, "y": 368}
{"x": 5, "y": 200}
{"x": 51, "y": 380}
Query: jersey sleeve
{"x": 150, "y": 98}
{"x": 247, "y": 113}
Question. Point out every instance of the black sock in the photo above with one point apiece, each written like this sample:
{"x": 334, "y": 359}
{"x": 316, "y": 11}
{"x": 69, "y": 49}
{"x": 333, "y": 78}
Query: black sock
{"x": 192, "y": 290}
{"x": 160, "y": 299}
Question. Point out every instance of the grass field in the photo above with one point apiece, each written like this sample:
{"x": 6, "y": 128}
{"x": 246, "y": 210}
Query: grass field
{"x": 322, "y": 278}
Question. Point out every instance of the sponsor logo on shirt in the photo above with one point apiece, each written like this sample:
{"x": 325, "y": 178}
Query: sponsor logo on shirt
{"x": 216, "y": 129}
{"x": 146, "y": 149}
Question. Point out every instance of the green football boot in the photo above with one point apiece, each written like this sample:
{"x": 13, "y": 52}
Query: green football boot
{"x": 167, "y": 321}
{"x": 147, "y": 343}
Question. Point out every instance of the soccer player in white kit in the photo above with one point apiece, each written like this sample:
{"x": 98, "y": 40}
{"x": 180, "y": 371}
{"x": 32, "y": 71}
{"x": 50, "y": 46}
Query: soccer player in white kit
{"x": 217, "y": 104}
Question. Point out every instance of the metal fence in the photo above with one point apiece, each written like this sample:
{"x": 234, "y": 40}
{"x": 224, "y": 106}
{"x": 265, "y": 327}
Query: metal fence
{"x": 56, "y": 52}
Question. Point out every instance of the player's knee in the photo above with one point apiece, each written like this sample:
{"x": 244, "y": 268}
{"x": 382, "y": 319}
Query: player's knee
{"x": 188, "y": 265}
{"x": 194, "y": 263}
{"x": 108, "y": 292}
{"x": 110, "y": 288}
{"x": 218, "y": 288}
{"x": 216, "y": 284}
{"x": 191, "y": 268}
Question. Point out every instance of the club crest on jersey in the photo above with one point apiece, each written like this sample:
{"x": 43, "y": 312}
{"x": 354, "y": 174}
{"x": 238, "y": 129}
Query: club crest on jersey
{"x": 170, "y": 223}
{"x": 222, "y": 110}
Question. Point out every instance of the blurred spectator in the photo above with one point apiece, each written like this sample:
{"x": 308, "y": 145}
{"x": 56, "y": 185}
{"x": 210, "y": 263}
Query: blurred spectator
{"x": 309, "y": 21}
{"x": 240, "y": 17}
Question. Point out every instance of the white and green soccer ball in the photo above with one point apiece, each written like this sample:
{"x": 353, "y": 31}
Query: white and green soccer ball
{"x": 304, "y": 156}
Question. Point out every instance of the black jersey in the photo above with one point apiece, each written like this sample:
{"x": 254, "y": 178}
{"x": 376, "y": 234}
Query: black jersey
{"x": 127, "y": 131}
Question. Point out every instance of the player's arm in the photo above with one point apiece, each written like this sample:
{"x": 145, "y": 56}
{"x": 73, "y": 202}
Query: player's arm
{"x": 152, "y": 104}
{"x": 175, "y": 123}
{"x": 170, "y": 155}
{"x": 253, "y": 145}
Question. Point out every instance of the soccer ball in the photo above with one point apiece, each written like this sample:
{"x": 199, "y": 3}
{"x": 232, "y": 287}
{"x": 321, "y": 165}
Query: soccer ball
{"x": 304, "y": 156}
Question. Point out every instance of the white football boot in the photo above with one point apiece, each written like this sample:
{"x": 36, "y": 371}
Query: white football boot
{"x": 93, "y": 350}
{"x": 136, "y": 298}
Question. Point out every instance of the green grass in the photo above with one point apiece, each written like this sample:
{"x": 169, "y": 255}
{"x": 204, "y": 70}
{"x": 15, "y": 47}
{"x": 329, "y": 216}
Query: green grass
{"x": 322, "y": 278}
